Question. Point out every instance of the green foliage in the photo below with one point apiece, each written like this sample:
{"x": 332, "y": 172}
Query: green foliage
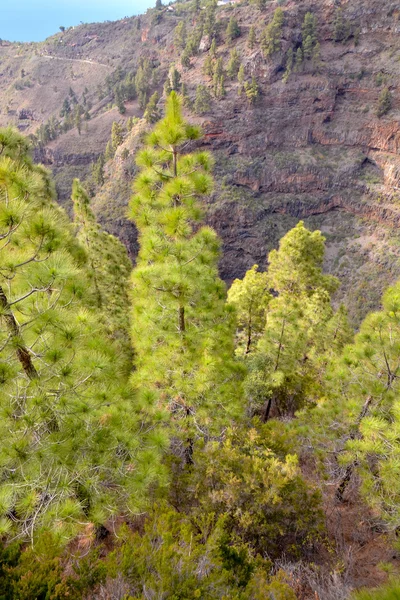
{"x": 272, "y": 34}
{"x": 109, "y": 151}
{"x": 232, "y": 30}
{"x": 299, "y": 59}
{"x": 384, "y": 102}
{"x": 288, "y": 368}
{"x": 262, "y": 499}
{"x": 169, "y": 558}
{"x": 110, "y": 269}
{"x": 193, "y": 42}
{"x": 296, "y": 268}
{"x": 364, "y": 392}
{"x": 219, "y": 86}
{"x": 251, "y": 90}
{"x": 250, "y": 297}
{"x": 209, "y": 27}
{"x": 186, "y": 101}
{"x": 342, "y": 27}
{"x": 310, "y": 49}
{"x": 173, "y": 82}
{"x": 143, "y": 82}
{"x": 180, "y": 35}
{"x": 185, "y": 60}
{"x": 26, "y": 574}
{"x": 309, "y": 34}
{"x": 260, "y": 4}
{"x": 152, "y": 111}
{"x": 119, "y": 101}
{"x": 389, "y": 591}
{"x": 290, "y": 58}
{"x": 98, "y": 170}
{"x": 213, "y": 48}
{"x": 182, "y": 328}
{"x": 202, "y": 103}
{"x": 218, "y": 69}
{"x": 241, "y": 79}
{"x": 69, "y": 434}
{"x": 208, "y": 67}
{"x": 252, "y": 39}
{"x": 117, "y": 135}
{"x": 233, "y": 64}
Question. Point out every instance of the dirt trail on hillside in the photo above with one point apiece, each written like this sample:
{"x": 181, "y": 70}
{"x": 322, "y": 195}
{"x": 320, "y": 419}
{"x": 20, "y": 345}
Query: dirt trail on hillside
{"x": 79, "y": 60}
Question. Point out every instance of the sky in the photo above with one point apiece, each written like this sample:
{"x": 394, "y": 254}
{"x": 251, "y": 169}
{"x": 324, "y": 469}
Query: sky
{"x": 34, "y": 20}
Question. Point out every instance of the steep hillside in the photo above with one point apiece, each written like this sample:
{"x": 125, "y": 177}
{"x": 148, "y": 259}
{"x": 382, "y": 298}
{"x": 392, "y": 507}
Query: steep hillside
{"x": 311, "y": 146}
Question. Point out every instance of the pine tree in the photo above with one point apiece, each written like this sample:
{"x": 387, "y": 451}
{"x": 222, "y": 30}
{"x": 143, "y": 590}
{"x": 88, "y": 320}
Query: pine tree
{"x": 186, "y": 102}
{"x": 208, "y": 67}
{"x": 289, "y": 64}
{"x": 185, "y": 60}
{"x": 109, "y": 152}
{"x": 288, "y": 369}
{"x": 299, "y": 59}
{"x": 182, "y": 327}
{"x": 66, "y": 108}
{"x": 241, "y": 79}
{"x": 271, "y": 36}
{"x": 117, "y": 136}
{"x": 252, "y": 39}
{"x": 142, "y": 82}
{"x": 218, "y": 73}
{"x": 202, "y": 103}
{"x": 68, "y": 429}
{"x": 180, "y": 35}
{"x": 209, "y": 18}
{"x": 174, "y": 79}
{"x": 250, "y": 297}
{"x": 233, "y": 64}
{"x": 316, "y": 55}
{"x": 338, "y": 25}
{"x": 251, "y": 91}
{"x": 219, "y": 89}
{"x": 261, "y": 4}
{"x": 152, "y": 112}
{"x": 309, "y": 29}
{"x": 98, "y": 170}
{"x": 213, "y": 49}
{"x": 218, "y": 69}
{"x": 308, "y": 47}
{"x": 342, "y": 27}
{"x": 218, "y": 86}
{"x": 193, "y": 42}
{"x": 119, "y": 101}
{"x": 232, "y": 30}
{"x": 78, "y": 119}
{"x": 109, "y": 271}
{"x": 384, "y": 102}
{"x": 364, "y": 406}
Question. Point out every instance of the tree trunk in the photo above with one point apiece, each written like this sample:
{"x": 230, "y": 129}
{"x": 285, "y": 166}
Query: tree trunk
{"x": 175, "y": 161}
{"x": 189, "y": 452}
{"x": 342, "y": 487}
{"x": 267, "y": 410}
{"x": 182, "y": 325}
{"x": 23, "y": 353}
{"x": 249, "y": 331}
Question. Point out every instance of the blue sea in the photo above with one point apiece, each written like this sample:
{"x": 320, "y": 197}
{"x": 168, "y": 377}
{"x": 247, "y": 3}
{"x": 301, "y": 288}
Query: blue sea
{"x": 35, "y": 20}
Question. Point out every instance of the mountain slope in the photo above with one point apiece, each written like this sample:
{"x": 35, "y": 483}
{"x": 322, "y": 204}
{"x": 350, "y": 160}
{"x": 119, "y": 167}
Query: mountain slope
{"x": 311, "y": 148}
